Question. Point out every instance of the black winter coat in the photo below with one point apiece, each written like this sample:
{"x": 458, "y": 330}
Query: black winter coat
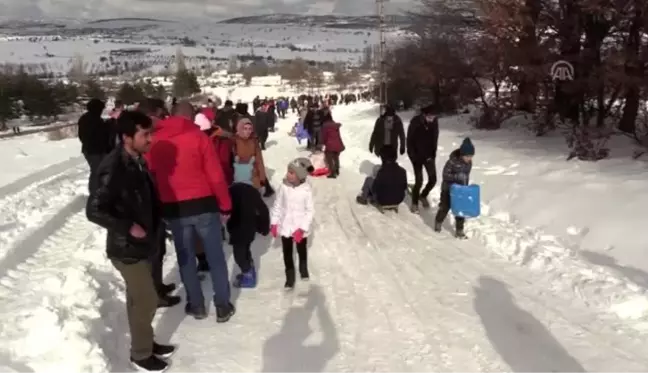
{"x": 455, "y": 171}
{"x": 390, "y": 184}
{"x": 262, "y": 122}
{"x": 249, "y": 215}
{"x": 396, "y": 134}
{"x": 422, "y": 139}
{"x": 313, "y": 121}
{"x": 97, "y": 136}
{"x": 125, "y": 195}
{"x": 225, "y": 119}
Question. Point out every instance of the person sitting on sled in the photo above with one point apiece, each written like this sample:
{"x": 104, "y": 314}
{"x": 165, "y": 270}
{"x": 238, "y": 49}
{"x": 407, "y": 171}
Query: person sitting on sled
{"x": 388, "y": 184}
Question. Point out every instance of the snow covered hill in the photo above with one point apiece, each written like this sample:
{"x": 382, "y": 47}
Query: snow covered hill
{"x": 108, "y": 43}
{"x": 386, "y": 292}
{"x": 189, "y": 9}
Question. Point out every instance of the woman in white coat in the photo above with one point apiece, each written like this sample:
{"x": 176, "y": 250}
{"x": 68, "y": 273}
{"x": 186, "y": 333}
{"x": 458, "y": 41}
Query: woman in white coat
{"x": 291, "y": 218}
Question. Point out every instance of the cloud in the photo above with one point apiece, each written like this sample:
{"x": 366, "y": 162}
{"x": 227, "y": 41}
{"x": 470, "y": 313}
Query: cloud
{"x": 169, "y": 9}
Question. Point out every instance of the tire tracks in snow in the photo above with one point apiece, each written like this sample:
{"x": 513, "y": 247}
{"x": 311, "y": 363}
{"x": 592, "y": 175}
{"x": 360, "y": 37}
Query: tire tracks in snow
{"x": 30, "y": 211}
{"x": 60, "y": 303}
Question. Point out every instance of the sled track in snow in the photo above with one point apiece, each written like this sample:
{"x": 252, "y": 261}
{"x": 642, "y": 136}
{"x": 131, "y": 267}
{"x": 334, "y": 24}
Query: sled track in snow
{"x": 437, "y": 264}
{"x": 28, "y": 211}
{"x": 55, "y": 293}
{"x": 39, "y": 176}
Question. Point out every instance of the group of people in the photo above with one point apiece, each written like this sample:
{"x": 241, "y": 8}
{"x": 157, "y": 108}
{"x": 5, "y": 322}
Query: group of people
{"x": 199, "y": 173}
{"x": 387, "y": 185}
{"x": 156, "y": 169}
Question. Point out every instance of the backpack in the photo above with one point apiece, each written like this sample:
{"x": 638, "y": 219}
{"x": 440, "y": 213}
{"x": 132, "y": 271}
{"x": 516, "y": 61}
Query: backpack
{"x": 243, "y": 171}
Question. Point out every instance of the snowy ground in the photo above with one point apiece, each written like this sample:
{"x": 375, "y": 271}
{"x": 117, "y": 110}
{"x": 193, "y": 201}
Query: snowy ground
{"x": 387, "y": 293}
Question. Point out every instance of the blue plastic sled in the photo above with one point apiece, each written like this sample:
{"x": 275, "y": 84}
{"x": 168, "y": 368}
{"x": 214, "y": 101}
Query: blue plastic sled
{"x": 301, "y": 133}
{"x": 465, "y": 201}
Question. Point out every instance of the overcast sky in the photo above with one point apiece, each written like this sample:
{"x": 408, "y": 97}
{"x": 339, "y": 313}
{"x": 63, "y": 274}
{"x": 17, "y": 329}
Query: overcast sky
{"x": 96, "y": 9}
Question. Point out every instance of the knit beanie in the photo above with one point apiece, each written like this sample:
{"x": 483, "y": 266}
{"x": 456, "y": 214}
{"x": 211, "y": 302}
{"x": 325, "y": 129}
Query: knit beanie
{"x": 467, "y": 147}
{"x": 302, "y": 167}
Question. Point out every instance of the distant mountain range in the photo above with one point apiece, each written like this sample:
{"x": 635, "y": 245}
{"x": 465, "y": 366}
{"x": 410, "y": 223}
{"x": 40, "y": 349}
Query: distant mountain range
{"x": 329, "y": 21}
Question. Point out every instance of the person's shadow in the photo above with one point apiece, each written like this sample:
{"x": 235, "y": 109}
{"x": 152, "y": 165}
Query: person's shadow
{"x": 287, "y": 350}
{"x": 519, "y": 338}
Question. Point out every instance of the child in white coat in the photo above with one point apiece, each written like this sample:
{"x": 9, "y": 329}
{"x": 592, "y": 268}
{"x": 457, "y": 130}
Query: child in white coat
{"x": 291, "y": 217}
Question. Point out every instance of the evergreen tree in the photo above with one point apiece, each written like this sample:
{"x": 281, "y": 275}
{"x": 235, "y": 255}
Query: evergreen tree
{"x": 92, "y": 89}
{"x": 9, "y": 108}
{"x": 130, "y": 94}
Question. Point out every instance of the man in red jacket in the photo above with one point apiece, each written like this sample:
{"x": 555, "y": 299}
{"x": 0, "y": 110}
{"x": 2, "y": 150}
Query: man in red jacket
{"x": 195, "y": 200}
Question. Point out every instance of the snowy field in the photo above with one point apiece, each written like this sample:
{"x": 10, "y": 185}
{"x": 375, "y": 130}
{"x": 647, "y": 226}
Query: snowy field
{"x": 387, "y": 293}
{"x": 159, "y": 42}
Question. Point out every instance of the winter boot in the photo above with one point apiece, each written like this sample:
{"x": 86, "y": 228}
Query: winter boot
{"x": 167, "y": 301}
{"x": 269, "y": 192}
{"x": 163, "y": 351}
{"x": 361, "y": 200}
{"x": 290, "y": 279}
{"x": 414, "y": 208}
{"x": 203, "y": 265}
{"x": 425, "y": 203}
{"x": 246, "y": 280}
{"x": 150, "y": 364}
{"x": 303, "y": 271}
{"x": 165, "y": 289}
{"x": 332, "y": 175}
{"x": 460, "y": 234}
{"x": 225, "y": 312}
{"x": 198, "y": 312}
{"x": 437, "y": 226}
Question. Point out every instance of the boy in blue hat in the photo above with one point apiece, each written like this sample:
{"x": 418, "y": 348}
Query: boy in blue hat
{"x": 456, "y": 171}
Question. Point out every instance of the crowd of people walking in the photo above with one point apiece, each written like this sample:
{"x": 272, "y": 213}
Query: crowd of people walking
{"x": 198, "y": 175}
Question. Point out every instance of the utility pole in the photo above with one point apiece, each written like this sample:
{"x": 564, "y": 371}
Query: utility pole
{"x": 380, "y": 5}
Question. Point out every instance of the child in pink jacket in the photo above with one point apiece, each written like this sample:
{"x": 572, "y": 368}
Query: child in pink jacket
{"x": 291, "y": 218}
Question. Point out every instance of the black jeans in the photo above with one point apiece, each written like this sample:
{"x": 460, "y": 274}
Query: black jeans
{"x": 243, "y": 256}
{"x": 157, "y": 259}
{"x": 289, "y": 262}
{"x": 444, "y": 208}
{"x": 94, "y": 160}
{"x": 430, "y": 169}
{"x": 333, "y": 162}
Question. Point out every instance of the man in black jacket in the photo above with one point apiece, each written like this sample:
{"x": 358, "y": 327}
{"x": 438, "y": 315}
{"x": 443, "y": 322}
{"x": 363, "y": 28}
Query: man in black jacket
{"x": 388, "y": 130}
{"x": 125, "y": 202}
{"x": 96, "y": 136}
{"x": 225, "y": 118}
{"x": 313, "y": 125}
{"x": 422, "y": 143}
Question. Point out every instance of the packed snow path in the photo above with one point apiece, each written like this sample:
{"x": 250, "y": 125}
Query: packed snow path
{"x": 386, "y": 294}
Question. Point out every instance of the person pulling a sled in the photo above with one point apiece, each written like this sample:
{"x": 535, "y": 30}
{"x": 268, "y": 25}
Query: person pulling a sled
{"x": 291, "y": 218}
{"x": 456, "y": 171}
{"x": 388, "y": 185}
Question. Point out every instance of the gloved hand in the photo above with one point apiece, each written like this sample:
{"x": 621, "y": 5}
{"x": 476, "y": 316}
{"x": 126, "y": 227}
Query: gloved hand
{"x": 462, "y": 178}
{"x": 273, "y": 230}
{"x": 298, "y": 236}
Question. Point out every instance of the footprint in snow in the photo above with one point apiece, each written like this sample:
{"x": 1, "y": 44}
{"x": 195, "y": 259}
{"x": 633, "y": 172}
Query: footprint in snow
{"x": 501, "y": 170}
